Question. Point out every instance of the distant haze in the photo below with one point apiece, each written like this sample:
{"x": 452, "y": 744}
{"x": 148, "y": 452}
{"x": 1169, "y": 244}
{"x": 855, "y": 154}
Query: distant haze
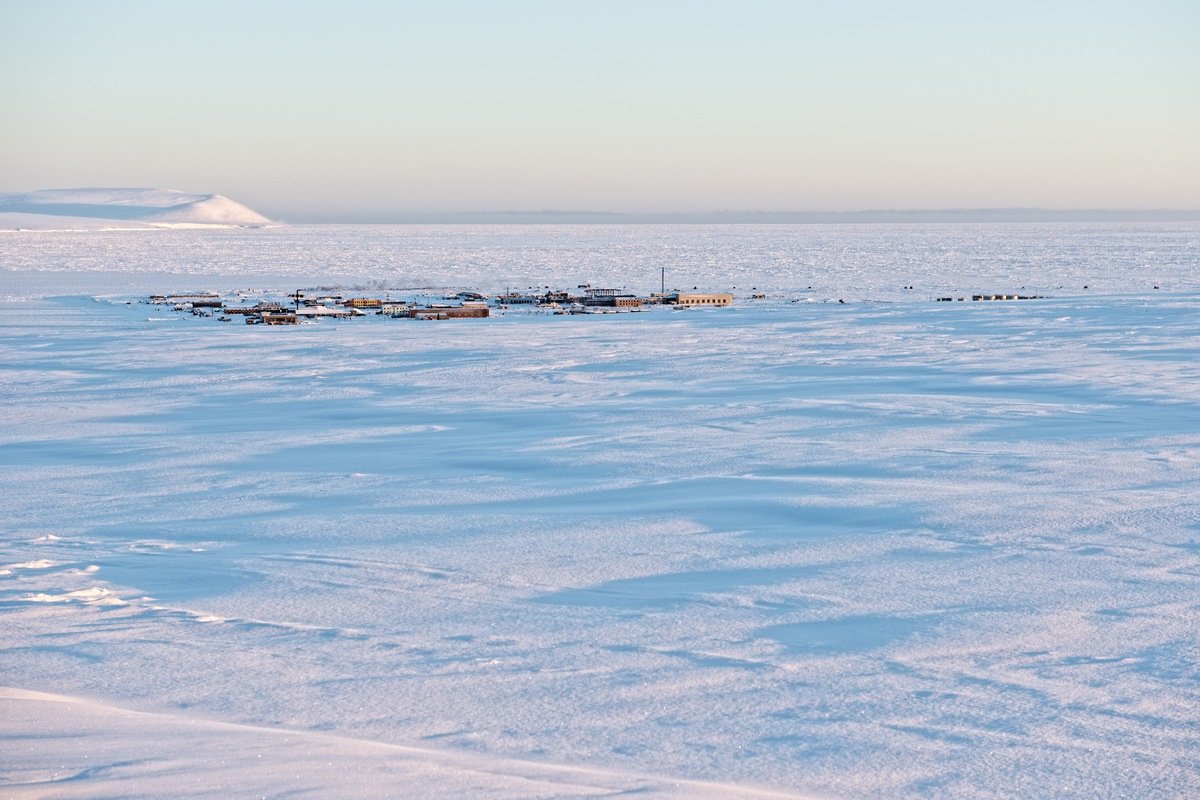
{"x": 381, "y": 111}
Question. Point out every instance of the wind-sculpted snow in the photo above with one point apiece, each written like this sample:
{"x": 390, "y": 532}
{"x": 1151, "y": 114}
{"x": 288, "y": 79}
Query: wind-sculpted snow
{"x": 872, "y": 549}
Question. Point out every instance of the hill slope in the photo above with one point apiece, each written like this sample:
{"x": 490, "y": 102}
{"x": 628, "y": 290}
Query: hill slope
{"x": 122, "y": 208}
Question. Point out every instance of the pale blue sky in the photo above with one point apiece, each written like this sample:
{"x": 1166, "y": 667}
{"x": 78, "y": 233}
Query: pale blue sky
{"x": 370, "y": 110}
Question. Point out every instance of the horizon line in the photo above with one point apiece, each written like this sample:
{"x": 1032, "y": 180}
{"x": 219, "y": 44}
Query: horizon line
{"x": 561, "y": 216}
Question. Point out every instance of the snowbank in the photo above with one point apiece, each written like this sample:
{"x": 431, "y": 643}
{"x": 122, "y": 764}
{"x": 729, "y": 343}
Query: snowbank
{"x": 72, "y": 741}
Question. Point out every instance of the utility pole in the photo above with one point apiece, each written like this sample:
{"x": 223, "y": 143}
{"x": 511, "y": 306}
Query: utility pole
{"x": 663, "y": 287}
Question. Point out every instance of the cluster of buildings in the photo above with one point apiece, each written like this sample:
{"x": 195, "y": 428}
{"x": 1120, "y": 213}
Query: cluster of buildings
{"x": 300, "y": 306}
{"x": 588, "y": 297}
{"x": 978, "y": 297}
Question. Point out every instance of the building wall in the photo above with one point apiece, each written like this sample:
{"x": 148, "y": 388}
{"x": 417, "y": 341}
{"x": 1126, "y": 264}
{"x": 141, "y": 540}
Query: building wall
{"x": 692, "y": 299}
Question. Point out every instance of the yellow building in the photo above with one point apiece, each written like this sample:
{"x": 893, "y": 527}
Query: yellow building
{"x": 693, "y": 299}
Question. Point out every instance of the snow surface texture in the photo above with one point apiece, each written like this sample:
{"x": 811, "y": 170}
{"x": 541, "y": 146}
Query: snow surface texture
{"x": 121, "y": 209}
{"x": 886, "y": 548}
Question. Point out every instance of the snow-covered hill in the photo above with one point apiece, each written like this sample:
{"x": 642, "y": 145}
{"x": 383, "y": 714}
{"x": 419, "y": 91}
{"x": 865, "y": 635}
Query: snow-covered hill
{"x": 99, "y": 209}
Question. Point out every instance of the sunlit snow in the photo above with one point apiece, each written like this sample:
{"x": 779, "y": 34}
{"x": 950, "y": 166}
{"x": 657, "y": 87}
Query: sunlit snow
{"x": 63, "y": 210}
{"x": 888, "y": 547}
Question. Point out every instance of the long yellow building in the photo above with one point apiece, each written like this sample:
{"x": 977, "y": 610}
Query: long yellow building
{"x": 693, "y": 299}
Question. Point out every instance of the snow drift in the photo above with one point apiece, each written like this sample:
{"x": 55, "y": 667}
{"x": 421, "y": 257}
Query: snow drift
{"x": 91, "y": 209}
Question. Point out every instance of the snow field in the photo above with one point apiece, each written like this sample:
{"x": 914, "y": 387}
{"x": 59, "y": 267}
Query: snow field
{"x": 882, "y": 549}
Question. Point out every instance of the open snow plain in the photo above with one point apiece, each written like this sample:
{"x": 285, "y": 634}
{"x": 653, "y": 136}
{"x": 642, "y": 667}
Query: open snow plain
{"x": 886, "y": 548}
